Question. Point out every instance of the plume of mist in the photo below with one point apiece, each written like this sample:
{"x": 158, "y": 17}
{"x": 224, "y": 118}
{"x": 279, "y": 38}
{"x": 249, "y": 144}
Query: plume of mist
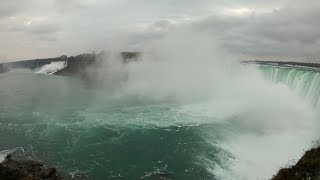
{"x": 181, "y": 64}
{"x": 189, "y": 68}
{"x": 192, "y": 68}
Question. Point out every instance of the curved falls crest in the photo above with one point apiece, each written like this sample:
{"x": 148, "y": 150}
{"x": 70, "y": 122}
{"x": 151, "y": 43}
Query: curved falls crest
{"x": 159, "y": 124}
{"x": 185, "y": 117}
{"x": 304, "y": 81}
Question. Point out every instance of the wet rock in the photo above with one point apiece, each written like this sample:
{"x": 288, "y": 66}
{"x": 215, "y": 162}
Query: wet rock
{"x": 48, "y": 172}
{"x": 26, "y": 170}
{"x": 308, "y": 167}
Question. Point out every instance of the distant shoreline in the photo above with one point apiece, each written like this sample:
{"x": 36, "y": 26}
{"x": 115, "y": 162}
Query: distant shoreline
{"x": 283, "y": 63}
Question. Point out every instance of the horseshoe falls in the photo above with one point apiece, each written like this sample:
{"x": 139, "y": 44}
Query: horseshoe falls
{"x": 166, "y": 121}
{"x": 304, "y": 81}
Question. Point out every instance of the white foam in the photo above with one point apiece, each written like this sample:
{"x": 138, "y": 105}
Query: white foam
{"x": 270, "y": 123}
{"x": 52, "y": 68}
{"x": 4, "y": 153}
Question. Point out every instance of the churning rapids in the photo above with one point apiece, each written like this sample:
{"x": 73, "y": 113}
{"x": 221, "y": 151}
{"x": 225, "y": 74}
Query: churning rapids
{"x": 242, "y": 123}
{"x": 173, "y": 114}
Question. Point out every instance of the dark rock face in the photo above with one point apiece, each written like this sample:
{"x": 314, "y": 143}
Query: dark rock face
{"x": 90, "y": 67}
{"x": 26, "y": 170}
{"x": 76, "y": 65}
{"x": 130, "y": 56}
{"x": 3, "y": 68}
{"x": 308, "y": 167}
{"x": 33, "y": 64}
{"x": 79, "y": 64}
{"x": 284, "y": 63}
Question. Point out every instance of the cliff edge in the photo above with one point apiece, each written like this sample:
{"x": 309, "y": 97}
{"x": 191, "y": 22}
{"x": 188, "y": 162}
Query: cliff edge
{"x": 307, "y": 168}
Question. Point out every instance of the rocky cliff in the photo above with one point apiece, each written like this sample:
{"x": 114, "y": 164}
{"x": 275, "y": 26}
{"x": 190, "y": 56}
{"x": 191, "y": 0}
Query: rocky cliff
{"x": 308, "y": 167}
{"x": 76, "y": 65}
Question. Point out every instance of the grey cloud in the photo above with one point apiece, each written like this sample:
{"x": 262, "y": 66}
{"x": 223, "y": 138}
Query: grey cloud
{"x": 278, "y": 28}
{"x": 289, "y": 32}
{"x": 70, "y": 6}
{"x": 43, "y": 28}
{"x": 10, "y": 7}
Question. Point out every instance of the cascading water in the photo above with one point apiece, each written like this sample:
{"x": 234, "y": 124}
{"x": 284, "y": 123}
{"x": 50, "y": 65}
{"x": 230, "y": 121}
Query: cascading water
{"x": 304, "y": 81}
{"x": 210, "y": 125}
{"x": 52, "y": 68}
{"x": 184, "y": 112}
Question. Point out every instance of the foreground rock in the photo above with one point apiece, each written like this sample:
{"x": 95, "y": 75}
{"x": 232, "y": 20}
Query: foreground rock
{"x": 308, "y": 167}
{"x": 26, "y": 170}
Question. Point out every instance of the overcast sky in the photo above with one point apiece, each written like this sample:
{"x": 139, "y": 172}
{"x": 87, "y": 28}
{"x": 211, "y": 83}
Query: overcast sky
{"x": 287, "y": 29}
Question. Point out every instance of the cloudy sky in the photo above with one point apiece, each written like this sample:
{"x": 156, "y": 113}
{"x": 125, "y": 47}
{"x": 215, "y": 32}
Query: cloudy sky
{"x": 284, "y": 29}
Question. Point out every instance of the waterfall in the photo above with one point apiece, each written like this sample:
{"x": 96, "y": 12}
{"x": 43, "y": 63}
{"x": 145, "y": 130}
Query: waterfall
{"x": 304, "y": 81}
{"x": 52, "y": 68}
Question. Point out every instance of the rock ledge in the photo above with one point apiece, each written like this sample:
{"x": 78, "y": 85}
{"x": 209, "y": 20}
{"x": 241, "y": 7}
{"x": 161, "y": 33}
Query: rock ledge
{"x": 26, "y": 170}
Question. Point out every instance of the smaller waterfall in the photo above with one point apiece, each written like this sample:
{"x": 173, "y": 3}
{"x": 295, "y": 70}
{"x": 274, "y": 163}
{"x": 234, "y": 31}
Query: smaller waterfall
{"x": 304, "y": 81}
{"x": 52, "y": 68}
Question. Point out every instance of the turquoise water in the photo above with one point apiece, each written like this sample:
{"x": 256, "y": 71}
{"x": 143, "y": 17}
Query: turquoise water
{"x": 92, "y": 133}
{"x": 74, "y": 128}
